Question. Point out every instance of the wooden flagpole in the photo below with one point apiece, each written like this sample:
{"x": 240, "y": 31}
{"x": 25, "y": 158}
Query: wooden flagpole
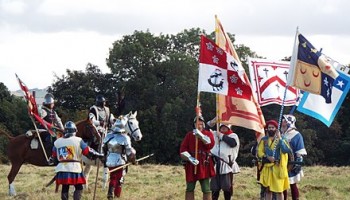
{"x": 286, "y": 88}
{"x": 197, "y": 120}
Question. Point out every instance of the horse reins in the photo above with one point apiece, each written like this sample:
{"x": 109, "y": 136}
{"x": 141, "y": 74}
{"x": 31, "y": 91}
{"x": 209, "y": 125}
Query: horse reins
{"x": 132, "y": 131}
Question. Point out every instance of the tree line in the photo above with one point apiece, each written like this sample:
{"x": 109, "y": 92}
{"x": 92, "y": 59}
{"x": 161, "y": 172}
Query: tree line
{"x": 157, "y": 76}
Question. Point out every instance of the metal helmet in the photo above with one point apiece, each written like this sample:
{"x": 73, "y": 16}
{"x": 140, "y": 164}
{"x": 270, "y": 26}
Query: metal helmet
{"x": 49, "y": 99}
{"x": 100, "y": 98}
{"x": 69, "y": 129}
{"x": 119, "y": 125}
{"x": 200, "y": 118}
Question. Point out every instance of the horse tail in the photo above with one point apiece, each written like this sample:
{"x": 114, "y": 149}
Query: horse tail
{"x": 2, "y": 132}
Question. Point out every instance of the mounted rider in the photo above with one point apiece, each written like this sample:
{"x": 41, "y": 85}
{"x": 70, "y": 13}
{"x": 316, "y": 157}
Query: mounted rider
{"x": 118, "y": 151}
{"x": 47, "y": 113}
{"x": 101, "y": 115}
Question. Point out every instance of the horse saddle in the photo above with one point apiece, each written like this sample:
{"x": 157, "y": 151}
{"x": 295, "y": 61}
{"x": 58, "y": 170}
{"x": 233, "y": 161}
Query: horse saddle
{"x": 34, "y": 143}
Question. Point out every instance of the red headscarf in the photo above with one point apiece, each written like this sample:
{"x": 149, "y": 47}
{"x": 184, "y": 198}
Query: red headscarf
{"x": 272, "y": 122}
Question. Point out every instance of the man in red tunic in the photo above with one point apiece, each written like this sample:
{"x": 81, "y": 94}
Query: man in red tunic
{"x": 202, "y": 167}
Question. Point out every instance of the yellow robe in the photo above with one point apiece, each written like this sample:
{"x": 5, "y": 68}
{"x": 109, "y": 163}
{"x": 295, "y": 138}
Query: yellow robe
{"x": 274, "y": 176}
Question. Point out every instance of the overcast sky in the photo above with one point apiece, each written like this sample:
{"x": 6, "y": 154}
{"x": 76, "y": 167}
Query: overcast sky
{"x": 40, "y": 38}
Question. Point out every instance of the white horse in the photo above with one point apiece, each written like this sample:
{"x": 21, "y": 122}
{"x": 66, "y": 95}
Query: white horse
{"x": 132, "y": 129}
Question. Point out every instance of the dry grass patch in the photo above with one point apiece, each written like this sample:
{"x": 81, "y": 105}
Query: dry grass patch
{"x": 163, "y": 182}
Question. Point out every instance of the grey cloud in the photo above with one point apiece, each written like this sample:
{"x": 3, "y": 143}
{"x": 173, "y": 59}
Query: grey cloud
{"x": 269, "y": 20}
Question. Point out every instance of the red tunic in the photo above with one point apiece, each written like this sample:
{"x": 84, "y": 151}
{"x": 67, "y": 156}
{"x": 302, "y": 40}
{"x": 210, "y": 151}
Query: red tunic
{"x": 204, "y": 169}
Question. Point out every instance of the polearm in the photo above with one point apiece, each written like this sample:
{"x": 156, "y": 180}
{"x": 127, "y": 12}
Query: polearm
{"x": 98, "y": 162}
{"x": 41, "y": 142}
{"x": 198, "y": 113}
{"x": 120, "y": 167}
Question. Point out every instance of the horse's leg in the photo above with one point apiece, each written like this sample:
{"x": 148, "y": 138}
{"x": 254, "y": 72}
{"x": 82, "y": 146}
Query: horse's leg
{"x": 87, "y": 171}
{"x": 11, "y": 177}
{"x": 105, "y": 177}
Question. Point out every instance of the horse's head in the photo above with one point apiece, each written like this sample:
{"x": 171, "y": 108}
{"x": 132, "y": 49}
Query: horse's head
{"x": 132, "y": 126}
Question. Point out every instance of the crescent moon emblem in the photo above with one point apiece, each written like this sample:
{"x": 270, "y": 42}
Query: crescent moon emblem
{"x": 307, "y": 84}
{"x": 315, "y": 75}
{"x": 301, "y": 71}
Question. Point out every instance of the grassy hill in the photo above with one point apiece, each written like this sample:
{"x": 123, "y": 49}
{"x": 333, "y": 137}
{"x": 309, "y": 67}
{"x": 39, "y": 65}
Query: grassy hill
{"x": 163, "y": 182}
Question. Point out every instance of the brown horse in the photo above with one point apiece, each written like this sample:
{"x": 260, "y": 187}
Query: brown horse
{"x": 19, "y": 150}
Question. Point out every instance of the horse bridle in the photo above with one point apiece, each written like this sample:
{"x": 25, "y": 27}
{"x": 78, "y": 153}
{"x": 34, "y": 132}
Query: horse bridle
{"x": 132, "y": 131}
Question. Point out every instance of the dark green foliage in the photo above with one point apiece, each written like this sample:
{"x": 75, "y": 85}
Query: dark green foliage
{"x": 13, "y": 118}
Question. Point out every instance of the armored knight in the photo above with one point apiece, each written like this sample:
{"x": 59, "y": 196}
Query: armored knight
{"x": 101, "y": 115}
{"x": 117, "y": 150}
{"x": 47, "y": 113}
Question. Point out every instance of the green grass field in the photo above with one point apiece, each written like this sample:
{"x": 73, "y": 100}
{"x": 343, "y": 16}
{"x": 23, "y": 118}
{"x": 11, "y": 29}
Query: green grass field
{"x": 163, "y": 182}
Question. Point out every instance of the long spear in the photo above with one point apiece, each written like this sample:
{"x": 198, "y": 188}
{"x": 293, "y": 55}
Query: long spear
{"x": 98, "y": 162}
{"x": 120, "y": 167}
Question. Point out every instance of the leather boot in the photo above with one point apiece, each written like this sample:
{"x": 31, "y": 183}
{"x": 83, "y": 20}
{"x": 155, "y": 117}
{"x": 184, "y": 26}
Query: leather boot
{"x": 77, "y": 194}
{"x": 227, "y": 195}
{"x": 207, "y": 196}
{"x": 215, "y": 195}
{"x": 64, "y": 196}
{"x": 189, "y": 196}
{"x": 110, "y": 193}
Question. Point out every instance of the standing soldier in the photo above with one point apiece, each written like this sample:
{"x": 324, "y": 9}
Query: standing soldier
{"x": 117, "y": 150}
{"x": 296, "y": 143}
{"x": 202, "y": 168}
{"x": 225, "y": 153}
{"x": 67, "y": 151}
{"x": 273, "y": 152}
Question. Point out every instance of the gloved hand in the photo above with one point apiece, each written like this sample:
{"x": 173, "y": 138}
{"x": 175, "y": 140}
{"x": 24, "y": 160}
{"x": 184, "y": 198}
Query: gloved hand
{"x": 102, "y": 158}
{"x": 51, "y": 161}
{"x": 196, "y": 132}
{"x": 219, "y": 134}
{"x": 299, "y": 159}
{"x": 94, "y": 154}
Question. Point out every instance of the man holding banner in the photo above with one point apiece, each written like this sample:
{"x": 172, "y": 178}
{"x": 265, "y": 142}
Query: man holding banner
{"x": 201, "y": 168}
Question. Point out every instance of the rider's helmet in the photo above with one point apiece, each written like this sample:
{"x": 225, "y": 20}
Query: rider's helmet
{"x": 48, "y": 99}
{"x": 100, "y": 100}
{"x": 70, "y": 129}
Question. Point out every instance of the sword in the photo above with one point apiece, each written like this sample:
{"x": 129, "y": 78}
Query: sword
{"x": 218, "y": 157}
{"x": 122, "y": 166}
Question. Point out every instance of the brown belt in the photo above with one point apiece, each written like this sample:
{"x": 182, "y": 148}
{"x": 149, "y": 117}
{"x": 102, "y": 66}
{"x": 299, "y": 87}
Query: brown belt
{"x": 65, "y": 161}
